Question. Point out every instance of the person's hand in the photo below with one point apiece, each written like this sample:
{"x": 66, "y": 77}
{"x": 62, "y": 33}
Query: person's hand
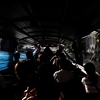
{"x": 30, "y": 95}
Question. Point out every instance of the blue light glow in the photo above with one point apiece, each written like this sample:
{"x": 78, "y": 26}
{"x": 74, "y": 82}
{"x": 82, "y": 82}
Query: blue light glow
{"x": 7, "y": 57}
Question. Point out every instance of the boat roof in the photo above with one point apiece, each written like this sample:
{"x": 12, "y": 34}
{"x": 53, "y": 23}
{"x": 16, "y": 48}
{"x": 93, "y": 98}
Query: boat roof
{"x": 49, "y": 22}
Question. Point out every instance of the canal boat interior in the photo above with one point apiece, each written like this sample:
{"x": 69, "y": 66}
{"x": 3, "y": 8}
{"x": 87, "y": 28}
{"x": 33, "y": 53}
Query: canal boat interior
{"x": 47, "y": 23}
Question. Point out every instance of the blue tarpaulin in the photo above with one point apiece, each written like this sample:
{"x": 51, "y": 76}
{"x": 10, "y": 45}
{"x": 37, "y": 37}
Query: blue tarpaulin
{"x": 7, "y": 57}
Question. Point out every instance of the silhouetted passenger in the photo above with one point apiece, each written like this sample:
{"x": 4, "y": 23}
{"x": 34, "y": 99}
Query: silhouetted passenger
{"x": 68, "y": 84}
{"x": 58, "y": 55}
{"x": 16, "y": 57}
{"x": 91, "y": 82}
{"x": 37, "y": 61}
{"x": 48, "y": 52}
{"x": 63, "y": 77}
{"x": 29, "y": 55}
{"x": 63, "y": 74}
{"x": 36, "y": 51}
{"x": 30, "y": 58}
{"x": 45, "y": 72}
{"x": 45, "y": 69}
{"x": 26, "y": 77}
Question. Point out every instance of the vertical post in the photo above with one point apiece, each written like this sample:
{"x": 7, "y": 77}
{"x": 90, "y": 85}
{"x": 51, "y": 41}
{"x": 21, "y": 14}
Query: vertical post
{"x": 77, "y": 47}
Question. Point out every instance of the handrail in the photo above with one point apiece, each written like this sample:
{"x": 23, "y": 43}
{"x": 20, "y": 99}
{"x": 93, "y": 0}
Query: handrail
{"x": 74, "y": 63}
{"x": 81, "y": 67}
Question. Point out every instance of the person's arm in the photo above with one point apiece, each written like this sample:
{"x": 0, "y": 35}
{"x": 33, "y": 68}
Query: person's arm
{"x": 52, "y": 59}
{"x": 82, "y": 81}
{"x": 30, "y": 94}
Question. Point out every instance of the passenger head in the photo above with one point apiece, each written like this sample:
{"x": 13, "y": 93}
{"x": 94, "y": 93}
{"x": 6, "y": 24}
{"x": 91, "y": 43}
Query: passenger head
{"x": 29, "y": 54}
{"x": 60, "y": 54}
{"x": 16, "y": 56}
{"x": 44, "y": 58}
{"x": 89, "y": 68}
{"x": 48, "y": 52}
{"x": 64, "y": 64}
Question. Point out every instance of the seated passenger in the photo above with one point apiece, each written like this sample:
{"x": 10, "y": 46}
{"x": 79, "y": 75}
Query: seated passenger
{"x": 63, "y": 77}
{"x": 46, "y": 83}
{"x": 63, "y": 74}
{"x": 12, "y": 64}
{"x": 26, "y": 77}
{"x": 58, "y": 55}
{"x": 68, "y": 84}
{"x": 91, "y": 81}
